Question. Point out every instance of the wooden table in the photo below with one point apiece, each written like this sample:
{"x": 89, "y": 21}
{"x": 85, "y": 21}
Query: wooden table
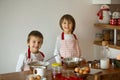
{"x": 15, "y": 75}
{"x": 109, "y": 74}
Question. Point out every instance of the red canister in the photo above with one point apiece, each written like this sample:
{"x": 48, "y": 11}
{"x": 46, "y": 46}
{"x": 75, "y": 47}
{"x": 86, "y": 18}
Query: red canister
{"x": 119, "y": 21}
{"x": 113, "y": 21}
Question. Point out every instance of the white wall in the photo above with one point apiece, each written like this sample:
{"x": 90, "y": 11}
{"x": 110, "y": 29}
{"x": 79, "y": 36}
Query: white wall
{"x": 19, "y": 17}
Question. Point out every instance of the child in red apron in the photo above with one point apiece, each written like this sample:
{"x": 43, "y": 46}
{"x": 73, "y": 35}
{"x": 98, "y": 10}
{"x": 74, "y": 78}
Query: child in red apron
{"x": 34, "y": 41}
{"x": 67, "y": 44}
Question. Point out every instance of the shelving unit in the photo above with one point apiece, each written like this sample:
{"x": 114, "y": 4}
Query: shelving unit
{"x": 107, "y": 26}
{"x": 110, "y": 45}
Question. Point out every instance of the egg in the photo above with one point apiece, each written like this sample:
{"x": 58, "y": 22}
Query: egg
{"x": 85, "y": 72}
{"x": 87, "y": 69}
{"x": 38, "y": 77}
{"x": 35, "y": 79}
{"x": 80, "y": 71}
{"x": 77, "y": 70}
{"x": 31, "y": 78}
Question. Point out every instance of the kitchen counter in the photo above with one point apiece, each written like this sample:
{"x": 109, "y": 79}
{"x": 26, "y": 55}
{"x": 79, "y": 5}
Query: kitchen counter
{"x": 109, "y": 74}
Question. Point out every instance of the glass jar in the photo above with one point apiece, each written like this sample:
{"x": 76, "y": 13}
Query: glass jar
{"x": 98, "y": 37}
{"x": 104, "y": 61}
{"x": 56, "y": 71}
{"x": 106, "y": 35}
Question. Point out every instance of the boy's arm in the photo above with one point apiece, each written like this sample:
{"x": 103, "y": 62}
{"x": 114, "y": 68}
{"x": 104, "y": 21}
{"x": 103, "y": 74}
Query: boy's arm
{"x": 19, "y": 66}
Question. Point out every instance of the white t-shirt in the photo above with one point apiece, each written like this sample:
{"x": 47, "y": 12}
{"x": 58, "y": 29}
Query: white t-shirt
{"x": 58, "y": 44}
{"x": 23, "y": 60}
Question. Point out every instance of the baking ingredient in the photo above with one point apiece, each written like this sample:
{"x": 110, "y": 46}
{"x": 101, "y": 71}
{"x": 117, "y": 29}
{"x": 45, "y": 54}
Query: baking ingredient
{"x": 37, "y": 77}
{"x": 56, "y": 71}
{"x": 80, "y": 71}
{"x": 83, "y": 70}
{"x": 87, "y": 69}
{"x": 76, "y": 69}
{"x": 31, "y": 78}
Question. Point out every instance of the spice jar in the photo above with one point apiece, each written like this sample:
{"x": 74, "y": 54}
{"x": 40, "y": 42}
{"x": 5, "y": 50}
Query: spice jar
{"x": 56, "y": 71}
{"x": 106, "y": 35}
{"x": 98, "y": 37}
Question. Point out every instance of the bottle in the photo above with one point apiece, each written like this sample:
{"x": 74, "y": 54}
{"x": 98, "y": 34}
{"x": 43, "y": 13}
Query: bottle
{"x": 104, "y": 61}
{"x": 56, "y": 71}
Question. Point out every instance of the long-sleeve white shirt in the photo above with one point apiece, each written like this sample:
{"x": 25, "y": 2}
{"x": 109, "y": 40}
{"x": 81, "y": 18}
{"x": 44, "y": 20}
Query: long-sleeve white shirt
{"x": 23, "y": 60}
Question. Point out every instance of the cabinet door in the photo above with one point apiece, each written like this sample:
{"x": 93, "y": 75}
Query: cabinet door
{"x": 105, "y": 1}
{"x": 114, "y": 52}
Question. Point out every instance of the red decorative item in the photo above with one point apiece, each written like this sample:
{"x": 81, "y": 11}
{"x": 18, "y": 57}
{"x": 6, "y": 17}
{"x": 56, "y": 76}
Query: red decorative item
{"x": 100, "y": 13}
{"x": 104, "y": 14}
{"x": 113, "y": 21}
{"x": 119, "y": 21}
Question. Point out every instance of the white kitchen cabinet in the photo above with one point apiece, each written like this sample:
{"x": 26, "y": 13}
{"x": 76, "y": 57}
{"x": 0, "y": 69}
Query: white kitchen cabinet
{"x": 98, "y": 49}
{"x": 114, "y": 52}
{"x": 105, "y": 1}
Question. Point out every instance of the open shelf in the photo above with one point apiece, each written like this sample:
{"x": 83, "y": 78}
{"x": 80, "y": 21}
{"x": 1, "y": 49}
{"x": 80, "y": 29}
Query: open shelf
{"x": 108, "y": 26}
{"x": 109, "y": 45}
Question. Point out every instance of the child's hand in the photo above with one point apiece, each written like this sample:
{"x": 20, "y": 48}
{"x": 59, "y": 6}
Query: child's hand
{"x": 29, "y": 61}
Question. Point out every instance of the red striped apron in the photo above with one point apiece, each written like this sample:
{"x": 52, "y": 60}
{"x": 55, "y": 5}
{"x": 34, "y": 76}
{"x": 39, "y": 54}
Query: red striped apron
{"x": 69, "y": 48}
{"x": 26, "y": 66}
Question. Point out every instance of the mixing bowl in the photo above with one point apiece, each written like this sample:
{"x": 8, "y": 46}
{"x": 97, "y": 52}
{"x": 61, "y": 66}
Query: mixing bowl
{"x": 73, "y": 62}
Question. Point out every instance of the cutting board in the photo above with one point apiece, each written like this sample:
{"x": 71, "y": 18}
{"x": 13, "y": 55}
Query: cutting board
{"x": 95, "y": 71}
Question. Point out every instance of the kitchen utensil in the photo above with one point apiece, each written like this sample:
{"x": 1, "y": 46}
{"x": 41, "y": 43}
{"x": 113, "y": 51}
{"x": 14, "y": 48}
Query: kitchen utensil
{"x": 50, "y": 58}
{"x": 39, "y": 63}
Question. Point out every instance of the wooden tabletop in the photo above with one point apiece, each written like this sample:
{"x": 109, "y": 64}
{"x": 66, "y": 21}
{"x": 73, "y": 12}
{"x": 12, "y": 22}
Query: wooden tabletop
{"x": 15, "y": 75}
{"x": 108, "y": 74}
